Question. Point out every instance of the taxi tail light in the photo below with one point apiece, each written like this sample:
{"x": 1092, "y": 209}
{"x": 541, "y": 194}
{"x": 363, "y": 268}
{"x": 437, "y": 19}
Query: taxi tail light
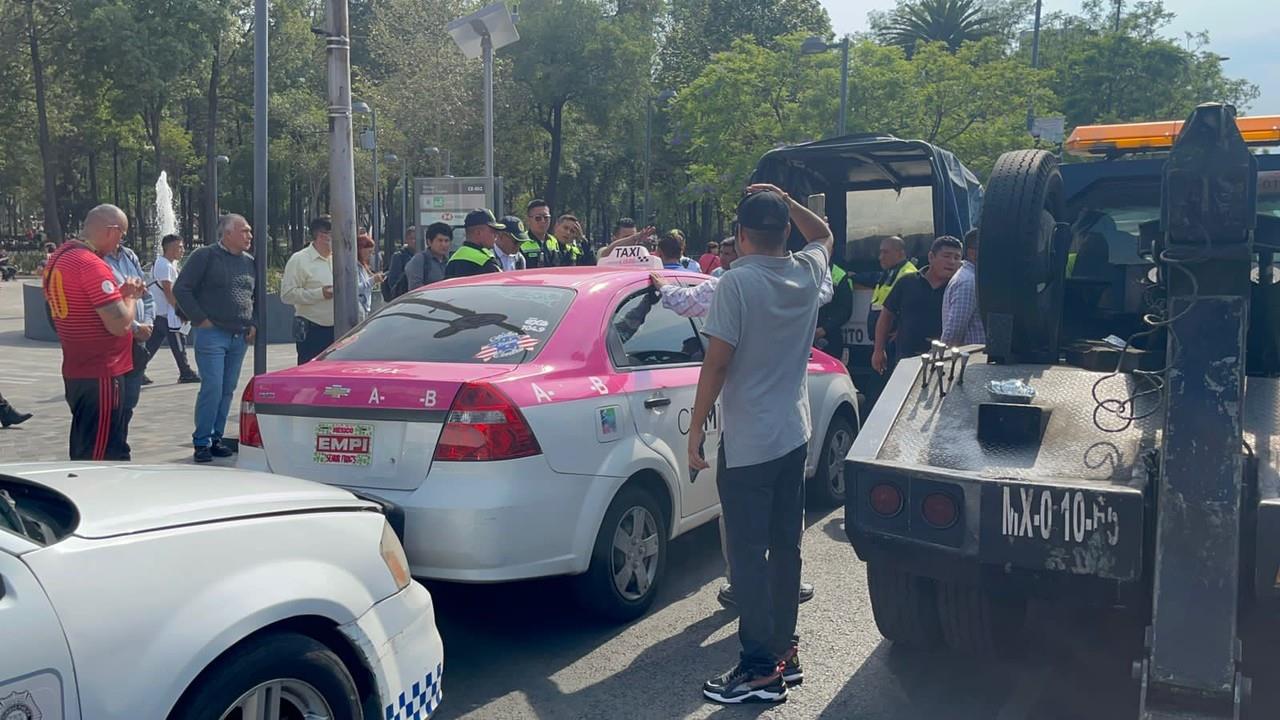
{"x": 483, "y": 424}
{"x": 250, "y": 433}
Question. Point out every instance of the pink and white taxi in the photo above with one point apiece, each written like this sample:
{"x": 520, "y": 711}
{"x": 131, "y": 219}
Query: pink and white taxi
{"x": 526, "y": 424}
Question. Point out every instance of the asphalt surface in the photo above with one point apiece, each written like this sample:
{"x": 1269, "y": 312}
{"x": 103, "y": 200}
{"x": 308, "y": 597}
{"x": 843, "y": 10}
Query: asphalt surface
{"x": 524, "y": 650}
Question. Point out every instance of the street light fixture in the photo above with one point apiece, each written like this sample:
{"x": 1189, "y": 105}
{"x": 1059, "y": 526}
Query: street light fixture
{"x": 443, "y": 154}
{"x": 661, "y": 99}
{"x": 478, "y": 35}
{"x": 371, "y": 144}
{"x": 816, "y": 45}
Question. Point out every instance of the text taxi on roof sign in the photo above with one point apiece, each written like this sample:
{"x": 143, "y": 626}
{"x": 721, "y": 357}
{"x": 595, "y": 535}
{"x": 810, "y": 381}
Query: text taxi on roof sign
{"x": 631, "y": 257}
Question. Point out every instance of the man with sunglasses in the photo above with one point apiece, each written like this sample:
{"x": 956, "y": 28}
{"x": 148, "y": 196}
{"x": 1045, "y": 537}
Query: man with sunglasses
{"x": 94, "y": 315}
{"x": 542, "y": 250}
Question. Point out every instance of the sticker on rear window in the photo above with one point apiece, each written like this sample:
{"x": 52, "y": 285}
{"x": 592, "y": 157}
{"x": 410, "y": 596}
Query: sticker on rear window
{"x": 506, "y": 345}
{"x": 534, "y": 325}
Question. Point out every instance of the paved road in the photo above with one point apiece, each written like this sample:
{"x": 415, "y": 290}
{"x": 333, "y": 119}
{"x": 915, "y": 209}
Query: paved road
{"x": 524, "y": 651}
{"x": 30, "y": 379}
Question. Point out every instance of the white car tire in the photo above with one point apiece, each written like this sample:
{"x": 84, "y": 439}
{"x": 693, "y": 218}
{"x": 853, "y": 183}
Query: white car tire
{"x": 628, "y": 558}
{"x": 296, "y": 672}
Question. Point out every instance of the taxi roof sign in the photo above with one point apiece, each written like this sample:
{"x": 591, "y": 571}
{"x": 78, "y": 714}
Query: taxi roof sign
{"x": 631, "y": 257}
{"x": 1089, "y": 140}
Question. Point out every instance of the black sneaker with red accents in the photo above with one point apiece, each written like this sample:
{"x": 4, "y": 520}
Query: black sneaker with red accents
{"x": 792, "y": 673}
{"x": 743, "y": 685}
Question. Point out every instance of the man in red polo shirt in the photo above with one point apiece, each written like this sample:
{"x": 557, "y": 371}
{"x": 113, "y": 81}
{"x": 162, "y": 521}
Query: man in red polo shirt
{"x": 93, "y": 316}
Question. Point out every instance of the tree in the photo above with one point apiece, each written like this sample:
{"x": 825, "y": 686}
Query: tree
{"x": 752, "y": 99}
{"x": 701, "y": 28}
{"x": 572, "y": 53}
{"x": 35, "y": 28}
{"x": 951, "y": 22}
{"x": 1105, "y": 76}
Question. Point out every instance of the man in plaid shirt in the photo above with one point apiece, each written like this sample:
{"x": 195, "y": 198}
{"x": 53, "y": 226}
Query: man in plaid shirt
{"x": 961, "y": 321}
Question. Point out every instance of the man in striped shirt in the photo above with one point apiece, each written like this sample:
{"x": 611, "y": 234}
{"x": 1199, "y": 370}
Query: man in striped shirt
{"x": 93, "y": 315}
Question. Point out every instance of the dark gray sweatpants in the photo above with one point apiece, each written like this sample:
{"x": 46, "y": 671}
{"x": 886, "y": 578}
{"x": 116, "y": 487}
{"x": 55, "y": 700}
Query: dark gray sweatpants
{"x": 763, "y": 508}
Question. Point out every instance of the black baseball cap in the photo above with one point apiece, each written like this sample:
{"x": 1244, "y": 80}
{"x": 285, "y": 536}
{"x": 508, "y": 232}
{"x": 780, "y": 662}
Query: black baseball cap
{"x": 483, "y": 216}
{"x": 764, "y": 210}
{"x": 515, "y": 227}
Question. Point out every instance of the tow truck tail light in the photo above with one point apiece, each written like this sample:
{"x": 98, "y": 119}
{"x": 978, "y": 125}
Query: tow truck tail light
{"x": 886, "y": 499}
{"x": 484, "y": 424}
{"x": 250, "y": 433}
{"x": 939, "y": 510}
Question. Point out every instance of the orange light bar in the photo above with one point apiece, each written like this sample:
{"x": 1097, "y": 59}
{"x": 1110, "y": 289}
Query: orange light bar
{"x": 1107, "y": 139}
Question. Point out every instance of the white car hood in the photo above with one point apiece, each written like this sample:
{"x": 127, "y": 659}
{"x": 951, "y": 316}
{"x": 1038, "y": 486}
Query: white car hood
{"x": 122, "y": 499}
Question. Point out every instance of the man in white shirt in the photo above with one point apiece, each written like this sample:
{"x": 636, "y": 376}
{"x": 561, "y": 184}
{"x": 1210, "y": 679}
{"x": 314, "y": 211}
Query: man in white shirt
{"x": 507, "y": 248}
{"x": 308, "y": 287}
{"x": 167, "y": 323}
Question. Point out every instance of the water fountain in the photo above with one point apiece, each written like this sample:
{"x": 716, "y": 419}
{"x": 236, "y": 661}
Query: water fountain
{"x": 166, "y": 218}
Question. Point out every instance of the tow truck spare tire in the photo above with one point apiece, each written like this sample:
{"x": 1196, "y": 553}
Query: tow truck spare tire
{"x": 1020, "y": 271}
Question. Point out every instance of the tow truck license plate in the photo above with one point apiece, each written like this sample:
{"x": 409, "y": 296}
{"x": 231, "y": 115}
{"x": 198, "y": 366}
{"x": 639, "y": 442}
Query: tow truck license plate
{"x": 343, "y": 444}
{"x": 1082, "y": 532}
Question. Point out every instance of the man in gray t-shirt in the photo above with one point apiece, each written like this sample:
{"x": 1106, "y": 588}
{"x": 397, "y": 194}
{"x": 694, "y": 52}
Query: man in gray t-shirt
{"x": 760, "y": 329}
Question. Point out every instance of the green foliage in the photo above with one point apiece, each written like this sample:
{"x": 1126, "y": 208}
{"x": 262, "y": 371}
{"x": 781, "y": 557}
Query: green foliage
{"x": 950, "y": 22}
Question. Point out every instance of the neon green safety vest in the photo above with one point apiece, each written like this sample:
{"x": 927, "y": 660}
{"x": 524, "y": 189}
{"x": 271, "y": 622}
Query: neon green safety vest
{"x": 575, "y": 252}
{"x": 883, "y": 289}
{"x": 469, "y": 254}
{"x": 838, "y": 276}
{"x": 533, "y": 250}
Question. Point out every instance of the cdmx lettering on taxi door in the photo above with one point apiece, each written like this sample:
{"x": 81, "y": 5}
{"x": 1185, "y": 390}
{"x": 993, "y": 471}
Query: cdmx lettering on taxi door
{"x": 685, "y": 417}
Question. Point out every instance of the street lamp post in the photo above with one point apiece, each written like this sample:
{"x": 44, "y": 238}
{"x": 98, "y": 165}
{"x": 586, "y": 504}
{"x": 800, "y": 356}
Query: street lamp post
{"x": 372, "y": 145}
{"x": 478, "y": 35}
{"x": 815, "y": 45}
{"x": 213, "y": 182}
{"x": 443, "y": 154}
{"x": 263, "y": 246}
{"x": 662, "y": 98}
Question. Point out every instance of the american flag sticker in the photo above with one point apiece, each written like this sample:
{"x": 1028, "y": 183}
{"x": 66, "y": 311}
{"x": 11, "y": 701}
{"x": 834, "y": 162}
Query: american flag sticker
{"x": 506, "y": 345}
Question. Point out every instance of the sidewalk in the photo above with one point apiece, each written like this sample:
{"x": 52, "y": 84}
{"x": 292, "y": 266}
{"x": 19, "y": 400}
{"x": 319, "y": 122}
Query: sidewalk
{"x": 31, "y": 380}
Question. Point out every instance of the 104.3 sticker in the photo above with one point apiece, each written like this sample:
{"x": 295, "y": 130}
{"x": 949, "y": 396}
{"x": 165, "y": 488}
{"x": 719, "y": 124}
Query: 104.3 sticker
{"x": 535, "y": 325}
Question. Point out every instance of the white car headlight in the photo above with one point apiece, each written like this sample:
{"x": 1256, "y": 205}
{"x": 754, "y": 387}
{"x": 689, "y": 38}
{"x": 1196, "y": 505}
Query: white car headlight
{"x": 393, "y": 555}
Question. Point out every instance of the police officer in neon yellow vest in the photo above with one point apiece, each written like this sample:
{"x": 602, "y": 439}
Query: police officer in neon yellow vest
{"x": 475, "y": 257}
{"x": 893, "y": 265}
{"x": 543, "y": 249}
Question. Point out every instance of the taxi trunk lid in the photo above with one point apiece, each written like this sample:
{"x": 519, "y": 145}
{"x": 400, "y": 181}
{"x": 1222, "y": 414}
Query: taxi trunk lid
{"x": 359, "y": 424}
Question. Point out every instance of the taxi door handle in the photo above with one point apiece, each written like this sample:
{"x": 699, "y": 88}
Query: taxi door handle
{"x": 656, "y": 402}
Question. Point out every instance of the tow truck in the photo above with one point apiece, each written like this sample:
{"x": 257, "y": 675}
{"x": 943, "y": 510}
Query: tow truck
{"x": 1113, "y": 443}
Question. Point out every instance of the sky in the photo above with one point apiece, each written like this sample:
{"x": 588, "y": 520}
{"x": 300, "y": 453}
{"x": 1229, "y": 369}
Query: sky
{"x": 1238, "y": 29}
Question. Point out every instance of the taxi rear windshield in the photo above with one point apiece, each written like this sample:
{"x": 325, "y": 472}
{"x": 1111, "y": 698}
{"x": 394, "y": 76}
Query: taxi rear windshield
{"x": 487, "y": 324}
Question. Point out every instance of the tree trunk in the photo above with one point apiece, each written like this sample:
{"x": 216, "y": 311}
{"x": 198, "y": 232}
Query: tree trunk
{"x": 52, "y": 226}
{"x": 115, "y": 172}
{"x": 211, "y": 138}
{"x": 557, "y": 146}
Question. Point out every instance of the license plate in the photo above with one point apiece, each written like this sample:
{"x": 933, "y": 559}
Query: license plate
{"x": 1083, "y": 532}
{"x": 343, "y": 444}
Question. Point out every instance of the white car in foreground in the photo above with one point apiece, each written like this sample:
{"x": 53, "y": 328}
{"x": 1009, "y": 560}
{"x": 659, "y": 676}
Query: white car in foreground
{"x": 145, "y": 593}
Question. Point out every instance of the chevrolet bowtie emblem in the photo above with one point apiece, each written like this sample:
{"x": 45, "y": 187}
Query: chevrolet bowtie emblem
{"x": 337, "y": 391}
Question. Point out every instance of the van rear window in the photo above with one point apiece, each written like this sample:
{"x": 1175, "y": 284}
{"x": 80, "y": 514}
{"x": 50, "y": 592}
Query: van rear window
{"x": 501, "y": 324}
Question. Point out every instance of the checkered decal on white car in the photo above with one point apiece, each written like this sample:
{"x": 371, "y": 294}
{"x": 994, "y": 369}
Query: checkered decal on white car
{"x": 423, "y": 699}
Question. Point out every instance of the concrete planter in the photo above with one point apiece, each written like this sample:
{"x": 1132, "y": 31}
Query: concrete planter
{"x": 35, "y": 321}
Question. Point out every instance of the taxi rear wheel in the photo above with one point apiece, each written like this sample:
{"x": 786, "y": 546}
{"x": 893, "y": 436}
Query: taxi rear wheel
{"x": 827, "y": 487}
{"x": 628, "y": 558}
{"x": 275, "y": 677}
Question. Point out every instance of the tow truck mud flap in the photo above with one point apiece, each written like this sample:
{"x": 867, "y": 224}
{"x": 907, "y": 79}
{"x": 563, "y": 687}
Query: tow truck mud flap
{"x": 1062, "y": 528}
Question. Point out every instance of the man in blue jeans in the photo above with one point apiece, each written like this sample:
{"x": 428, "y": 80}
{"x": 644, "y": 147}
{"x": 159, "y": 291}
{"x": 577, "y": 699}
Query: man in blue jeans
{"x": 215, "y": 292}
